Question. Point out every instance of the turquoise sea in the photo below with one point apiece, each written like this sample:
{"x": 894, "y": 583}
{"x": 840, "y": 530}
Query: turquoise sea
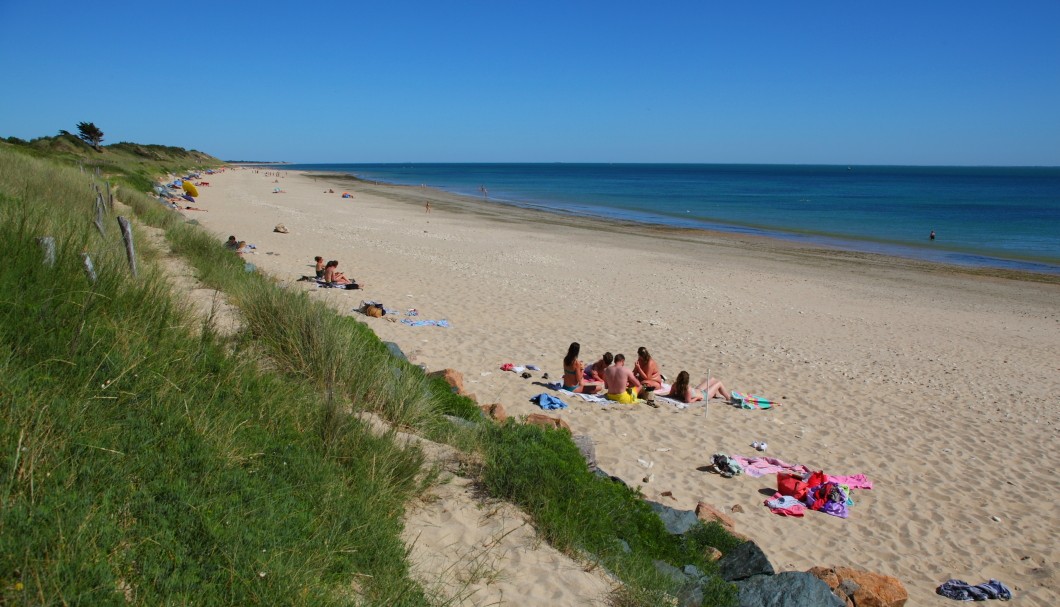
{"x": 1003, "y": 217}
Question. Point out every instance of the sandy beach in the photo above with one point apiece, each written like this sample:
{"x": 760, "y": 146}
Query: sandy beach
{"x": 940, "y": 385}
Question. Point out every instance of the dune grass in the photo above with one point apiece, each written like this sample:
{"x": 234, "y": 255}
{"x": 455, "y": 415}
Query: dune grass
{"x": 147, "y": 463}
{"x": 211, "y": 472}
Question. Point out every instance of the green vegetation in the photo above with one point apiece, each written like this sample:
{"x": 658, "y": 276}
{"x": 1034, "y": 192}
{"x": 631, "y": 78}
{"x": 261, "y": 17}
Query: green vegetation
{"x": 150, "y": 461}
{"x": 90, "y": 134}
{"x": 135, "y": 165}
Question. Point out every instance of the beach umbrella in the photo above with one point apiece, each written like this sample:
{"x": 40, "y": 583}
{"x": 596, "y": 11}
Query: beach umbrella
{"x": 190, "y": 188}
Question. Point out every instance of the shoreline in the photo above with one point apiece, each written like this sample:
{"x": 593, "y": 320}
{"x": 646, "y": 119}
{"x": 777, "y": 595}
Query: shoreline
{"x": 776, "y": 244}
{"x": 922, "y": 379}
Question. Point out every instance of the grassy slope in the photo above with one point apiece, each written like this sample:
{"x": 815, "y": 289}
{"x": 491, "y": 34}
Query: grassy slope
{"x": 325, "y": 360}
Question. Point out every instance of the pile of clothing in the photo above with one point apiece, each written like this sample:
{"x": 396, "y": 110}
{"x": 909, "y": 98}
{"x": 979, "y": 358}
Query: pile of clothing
{"x": 817, "y": 491}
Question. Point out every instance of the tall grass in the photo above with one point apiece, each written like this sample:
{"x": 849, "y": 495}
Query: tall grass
{"x": 143, "y": 464}
{"x": 328, "y": 362}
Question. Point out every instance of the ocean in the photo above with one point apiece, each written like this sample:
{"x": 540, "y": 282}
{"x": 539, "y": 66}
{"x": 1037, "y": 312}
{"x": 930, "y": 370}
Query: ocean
{"x": 996, "y": 217}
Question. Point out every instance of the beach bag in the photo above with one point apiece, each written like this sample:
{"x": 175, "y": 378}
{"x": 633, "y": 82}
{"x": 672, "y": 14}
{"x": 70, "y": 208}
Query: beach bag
{"x": 790, "y": 484}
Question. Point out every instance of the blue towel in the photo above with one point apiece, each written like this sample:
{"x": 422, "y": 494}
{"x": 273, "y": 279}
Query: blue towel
{"x": 960, "y": 590}
{"x": 547, "y": 401}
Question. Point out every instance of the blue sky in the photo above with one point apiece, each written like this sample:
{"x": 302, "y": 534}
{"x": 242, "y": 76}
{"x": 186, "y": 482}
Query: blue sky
{"x": 964, "y": 82}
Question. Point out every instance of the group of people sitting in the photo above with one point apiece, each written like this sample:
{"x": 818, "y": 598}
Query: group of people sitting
{"x": 625, "y": 385}
{"x": 329, "y": 274}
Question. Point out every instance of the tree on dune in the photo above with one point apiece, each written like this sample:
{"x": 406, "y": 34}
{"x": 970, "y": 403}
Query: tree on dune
{"x": 90, "y": 134}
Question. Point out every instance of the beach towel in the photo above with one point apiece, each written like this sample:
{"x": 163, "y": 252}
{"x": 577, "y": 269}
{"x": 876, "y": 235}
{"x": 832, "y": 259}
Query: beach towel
{"x": 410, "y": 322}
{"x": 548, "y": 402}
{"x": 761, "y": 466}
{"x": 959, "y": 590}
{"x": 590, "y": 398}
{"x": 751, "y": 401}
{"x": 854, "y": 481}
{"x": 785, "y": 505}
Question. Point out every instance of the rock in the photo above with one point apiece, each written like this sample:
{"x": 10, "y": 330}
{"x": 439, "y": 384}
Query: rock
{"x": 677, "y": 522}
{"x": 452, "y": 377}
{"x": 282, "y": 229}
{"x": 539, "y": 419}
{"x": 707, "y": 513}
{"x": 395, "y": 350}
{"x": 862, "y": 588}
{"x": 495, "y": 412}
{"x": 744, "y": 561}
{"x": 712, "y": 554}
{"x": 787, "y": 589}
{"x": 736, "y": 508}
{"x": 587, "y": 448}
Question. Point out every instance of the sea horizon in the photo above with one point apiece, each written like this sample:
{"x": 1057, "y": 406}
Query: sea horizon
{"x": 1002, "y": 217}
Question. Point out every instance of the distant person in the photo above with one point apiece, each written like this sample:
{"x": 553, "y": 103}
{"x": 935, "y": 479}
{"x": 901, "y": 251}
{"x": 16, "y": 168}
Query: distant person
{"x": 320, "y": 266}
{"x": 332, "y": 274}
{"x": 622, "y": 386}
{"x": 707, "y": 389}
{"x": 647, "y": 370}
{"x": 572, "y": 372}
{"x": 232, "y": 243}
{"x": 485, "y": 192}
{"x": 428, "y": 206}
{"x": 932, "y": 236}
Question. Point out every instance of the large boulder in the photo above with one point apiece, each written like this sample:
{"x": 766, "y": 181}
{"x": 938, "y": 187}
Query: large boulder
{"x": 744, "y": 561}
{"x": 452, "y": 377}
{"x": 539, "y": 419}
{"x": 787, "y": 589}
{"x": 860, "y": 588}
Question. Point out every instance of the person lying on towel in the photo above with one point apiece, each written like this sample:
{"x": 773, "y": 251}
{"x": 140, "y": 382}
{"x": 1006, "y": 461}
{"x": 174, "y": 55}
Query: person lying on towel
{"x": 706, "y": 390}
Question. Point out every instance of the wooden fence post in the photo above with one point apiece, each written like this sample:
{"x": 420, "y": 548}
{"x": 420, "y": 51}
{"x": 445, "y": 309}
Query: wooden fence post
{"x": 127, "y": 236}
{"x": 99, "y": 215}
{"x": 110, "y": 198}
{"x": 90, "y": 270}
{"x": 48, "y": 244}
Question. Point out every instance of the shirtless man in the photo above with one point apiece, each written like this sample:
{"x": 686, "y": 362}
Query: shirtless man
{"x": 622, "y": 386}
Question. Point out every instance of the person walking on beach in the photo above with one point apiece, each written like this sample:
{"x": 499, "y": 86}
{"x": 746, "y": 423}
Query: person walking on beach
{"x": 932, "y": 236}
{"x": 485, "y": 192}
{"x": 428, "y": 207}
{"x": 622, "y": 386}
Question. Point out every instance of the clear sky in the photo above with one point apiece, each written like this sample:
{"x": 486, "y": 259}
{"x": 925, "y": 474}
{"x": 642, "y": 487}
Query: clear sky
{"x": 771, "y": 81}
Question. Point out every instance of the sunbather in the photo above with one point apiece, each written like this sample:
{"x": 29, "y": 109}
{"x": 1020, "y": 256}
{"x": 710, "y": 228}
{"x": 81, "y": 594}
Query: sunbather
{"x": 647, "y": 370}
{"x": 595, "y": 371}
{"x": 621, "y": 385}
{"x": 333, "y": 276}
{"x": 707, "y": 389}
{"x": 320, "y": 266}
{"x": 573, "y": 370}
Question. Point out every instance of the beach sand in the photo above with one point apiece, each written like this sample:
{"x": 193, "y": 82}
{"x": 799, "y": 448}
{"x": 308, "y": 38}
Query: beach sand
{"x": 939, "y": 385}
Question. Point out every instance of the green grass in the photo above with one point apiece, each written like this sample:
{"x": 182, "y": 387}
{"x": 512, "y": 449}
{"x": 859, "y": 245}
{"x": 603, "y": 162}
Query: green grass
{"x": 146, "y": 463}
{"x": 205, "y": 471}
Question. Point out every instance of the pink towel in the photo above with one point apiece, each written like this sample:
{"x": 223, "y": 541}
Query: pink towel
{"x": 854, "y": 481}
{"x": 761, "y": 466}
